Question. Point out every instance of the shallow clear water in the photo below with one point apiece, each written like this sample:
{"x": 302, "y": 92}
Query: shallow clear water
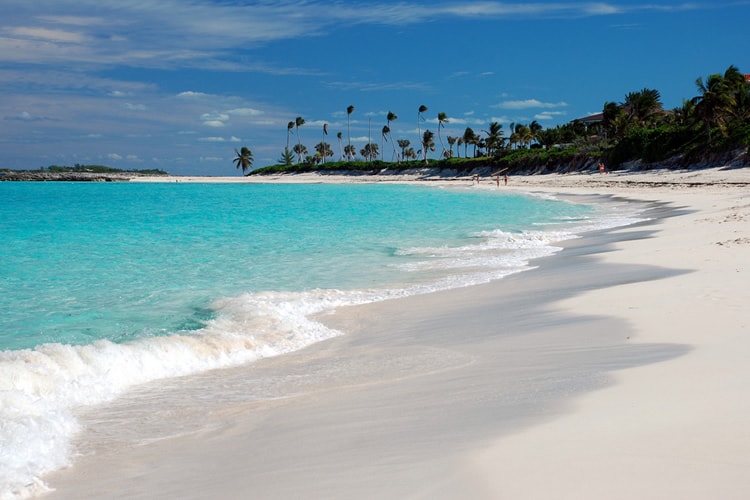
{"x": 106, "y": 285}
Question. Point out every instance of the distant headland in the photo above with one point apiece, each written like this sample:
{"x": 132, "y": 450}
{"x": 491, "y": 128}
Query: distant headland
{"x": 78, "y": 173}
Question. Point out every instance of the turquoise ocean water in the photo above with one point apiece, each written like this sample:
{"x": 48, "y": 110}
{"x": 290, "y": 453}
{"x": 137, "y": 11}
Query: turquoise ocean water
{"x": 107, "y": 285}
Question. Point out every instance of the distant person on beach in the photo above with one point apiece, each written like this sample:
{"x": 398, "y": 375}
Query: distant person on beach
{"x": 602, "y": 168}
{"x": 506, "y": 179}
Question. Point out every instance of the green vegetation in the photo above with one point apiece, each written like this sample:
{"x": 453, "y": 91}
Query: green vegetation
{"x": 714, "y": 122}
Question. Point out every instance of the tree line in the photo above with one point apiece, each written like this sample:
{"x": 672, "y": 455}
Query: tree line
{"x": 716, "y": 119}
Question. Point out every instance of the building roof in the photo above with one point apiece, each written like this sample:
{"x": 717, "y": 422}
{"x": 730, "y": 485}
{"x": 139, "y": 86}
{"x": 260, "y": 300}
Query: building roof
{"x": 588, "y": 120}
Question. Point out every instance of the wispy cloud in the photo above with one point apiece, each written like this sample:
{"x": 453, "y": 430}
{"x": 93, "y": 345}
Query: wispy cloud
{"x": 529, "y": 104}
{"x": 377, "y": 86}
{"x": 174, "y": 33}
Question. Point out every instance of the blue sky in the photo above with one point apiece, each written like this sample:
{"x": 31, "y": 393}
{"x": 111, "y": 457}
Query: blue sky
{"x": 178, "y": 84}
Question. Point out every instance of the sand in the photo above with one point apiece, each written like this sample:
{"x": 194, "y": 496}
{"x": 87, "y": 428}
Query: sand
{"x": 615, "y": 369}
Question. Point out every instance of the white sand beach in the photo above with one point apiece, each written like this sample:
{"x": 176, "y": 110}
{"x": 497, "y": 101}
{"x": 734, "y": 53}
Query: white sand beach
{"x": 616, "y": 369}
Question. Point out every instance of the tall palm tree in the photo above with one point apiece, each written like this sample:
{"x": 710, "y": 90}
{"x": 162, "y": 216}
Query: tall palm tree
{"x": 384, "y": 138}
{"x": 349, "y": 111}
{"x": 389, "y": 118}
{"x": 298, "y": 122}
{"x": 513, "y": 139}
{"x": 325, "y": 134}
{"x": 340, "y": 136}
{"x": 289, "y": 127}
{"x": 442, "y": 120}
{"x": 244, "y": 159}
{"x": 469, "y": 138}
{"x": 350, "y": 151}
{"x": 451, "y": 141}
{"x": 422, "y": 109}
{"x": 428, "y": 143}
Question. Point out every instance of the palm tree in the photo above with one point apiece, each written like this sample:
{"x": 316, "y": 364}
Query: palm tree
{"x": 643, "y": 106}
{"x": 711, "y": 106}
{"x": 339, "y": 136}
{"x": 349, "y": 111}
{"x": 494, "y": 138}
{"x": 300, "y": 150}
{"x": 442, "y": 120}
{"x": 451, "y": 141}
{"x": 287, "y": 158}
{"x": 289, "y": 127}
{"x": 298, "y": 122}
{"x": 469, "y": 137}
{"x": 325, "y": 134}
{"x": 403, "y": 144}
{"x": 370, "y": 151}
{"x": 350, "y": 151}
{"x": 548, "y": 137}
{"x": 609, "y": 118}
{"x": 422, "y": 109}
{"x": 323, "y": 150}
{"x": 389, "y": 118}
{"x": 244, "y": 158}
{"x": 739, "y": 89}
{"x": 428, "y": 143}
{"x": 384, "y": 133}
{"x": 535, "y": 127}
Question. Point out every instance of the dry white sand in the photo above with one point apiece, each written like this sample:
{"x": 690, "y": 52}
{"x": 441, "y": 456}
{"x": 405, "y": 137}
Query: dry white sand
{"x": 616, "y": 369}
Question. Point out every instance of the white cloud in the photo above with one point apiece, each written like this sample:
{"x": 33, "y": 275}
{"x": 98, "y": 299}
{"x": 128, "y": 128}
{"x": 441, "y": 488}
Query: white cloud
{"x": 189, "y": 94}
{"x": 134, "y": 107}
{"x": 212, "y": 139}
{"x": 213, "y": 123}
{"x": 234, "y": 139}
{"x": 529, "y": 104}
{"x": 245, "y": 112}
{"x": 549, "y": 115}
{"x": 214, "y": 116}
{"x": 50, "y": 35}
{"x": 114, "y": 156}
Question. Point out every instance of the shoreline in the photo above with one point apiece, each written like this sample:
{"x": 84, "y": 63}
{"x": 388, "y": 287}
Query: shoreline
{"x": 652, "y": 288}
